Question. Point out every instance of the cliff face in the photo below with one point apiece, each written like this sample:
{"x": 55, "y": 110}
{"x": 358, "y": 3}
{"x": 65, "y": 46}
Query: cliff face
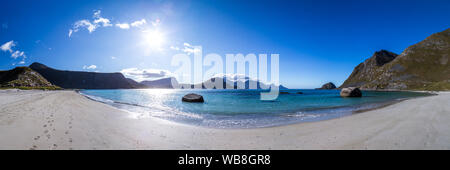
{"x": 84, "y": 80}
{"x": 23, "y": 77}
{"x": 423, "y": 66}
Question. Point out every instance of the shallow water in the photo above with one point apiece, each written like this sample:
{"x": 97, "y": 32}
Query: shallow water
{"x": 243, "y": 108}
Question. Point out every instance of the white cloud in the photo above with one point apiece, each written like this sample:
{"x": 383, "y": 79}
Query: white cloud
{"x": 82, "y": 24}
{"x": 91, "y": 67}
{"x": 98, "y": 21}
{"x": 87, "y": 24}
{"x": 70, "y": 32}
{"x": 113, "y": 57}
{"x": 146, "y": 74}
{"x": 105, "y": 22}
{"x": 123, "y": 26}
{"x": 138, "y": 23}
{"x": 97, "y": 13}
{"x": 17, "y": 54}
{"x": 8, "y": 46}
{"x": 187, "y": 48}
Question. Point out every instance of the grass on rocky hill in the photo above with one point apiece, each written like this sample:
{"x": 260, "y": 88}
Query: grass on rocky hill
{"x": 33, "y": 88}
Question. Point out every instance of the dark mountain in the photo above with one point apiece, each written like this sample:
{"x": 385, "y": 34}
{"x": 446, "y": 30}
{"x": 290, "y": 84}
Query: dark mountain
{"x": 422, "y": 66}
{"x": 84, "y": 80}
{"x": 367, "y": 69}
{"x": 327, "y": 86}
{"x": 164, "y": 83}
{"x": 136, "y": 84}
{"x": 24, "y": 77}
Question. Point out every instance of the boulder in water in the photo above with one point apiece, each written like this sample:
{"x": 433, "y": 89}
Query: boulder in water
{"x": 192, "y": 97}
{"x": 351, "y": 92}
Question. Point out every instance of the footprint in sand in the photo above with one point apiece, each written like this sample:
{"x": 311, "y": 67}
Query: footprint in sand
{"x": 46, "y": 131}
{"x": 48, "y": 136}
{"x": 45, "y": 125}
{"x": 34, "y": 147}
{"x": 67, "y": 132}
{"x": 55, "y": 146}
{"x": 37, "y": 138}
{"x": 70, "y": 140}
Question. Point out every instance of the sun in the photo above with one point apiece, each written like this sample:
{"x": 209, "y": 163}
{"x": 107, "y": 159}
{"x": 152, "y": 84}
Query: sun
{"x": 153, "y": 39}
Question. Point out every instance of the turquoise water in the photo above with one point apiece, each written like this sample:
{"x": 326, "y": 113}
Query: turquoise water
{"x": 242, "y": 108}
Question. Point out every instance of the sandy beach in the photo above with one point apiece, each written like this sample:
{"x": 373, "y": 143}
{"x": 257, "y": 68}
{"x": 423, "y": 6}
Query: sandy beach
{"x": 68, "y": 120}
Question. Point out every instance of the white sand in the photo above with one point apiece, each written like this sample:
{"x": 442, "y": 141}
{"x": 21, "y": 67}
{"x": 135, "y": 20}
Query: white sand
{"x": 67, "y": 120}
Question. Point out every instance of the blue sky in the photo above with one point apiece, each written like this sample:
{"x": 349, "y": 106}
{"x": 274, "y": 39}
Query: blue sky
{"x": 318, "y": 41}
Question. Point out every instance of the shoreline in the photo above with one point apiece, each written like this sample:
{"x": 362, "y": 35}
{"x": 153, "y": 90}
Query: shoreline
{"x": 344, "y": 111}
{"x": 68, "y": 120}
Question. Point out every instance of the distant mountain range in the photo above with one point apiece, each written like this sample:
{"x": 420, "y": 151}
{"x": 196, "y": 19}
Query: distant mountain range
{"x": 164, "y": 83}
{"x": 37, "y": 75}
{"x": 422, "y": 66}
{"x": 233, "y": 81}
{"x": 84, "y": 80}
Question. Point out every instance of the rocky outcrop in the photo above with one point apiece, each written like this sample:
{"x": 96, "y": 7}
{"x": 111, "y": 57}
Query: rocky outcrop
{"x": 423, "y": 66}
{"x": 192, "y": 97}
{"x": 366, "y": 71}
{"x": 351, "y": 92}
{"x": 327, "y": 86}
{"x": 84, "y": 80}
{"x": 21, "y": 77}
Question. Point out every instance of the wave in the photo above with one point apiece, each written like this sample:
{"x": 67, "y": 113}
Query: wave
{"x": 142, "y": 111}
{"x": 215, "y": 119}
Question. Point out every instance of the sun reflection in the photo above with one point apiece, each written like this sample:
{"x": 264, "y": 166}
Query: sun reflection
{"x": 159, "y": 92}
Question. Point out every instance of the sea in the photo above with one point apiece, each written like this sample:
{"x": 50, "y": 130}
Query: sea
{"x": 243, "y": 108}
